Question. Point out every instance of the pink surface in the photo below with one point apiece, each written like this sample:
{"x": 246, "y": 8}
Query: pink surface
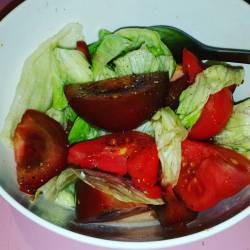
{"x": 19, "y": 233}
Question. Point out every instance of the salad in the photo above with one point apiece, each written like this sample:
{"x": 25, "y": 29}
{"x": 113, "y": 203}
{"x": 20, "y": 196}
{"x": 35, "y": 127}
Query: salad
{"x": 118, "y": 127}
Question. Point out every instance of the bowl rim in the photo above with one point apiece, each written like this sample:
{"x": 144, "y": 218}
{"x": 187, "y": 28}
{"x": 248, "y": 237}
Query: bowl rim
{"x": 158, "y": 244}
{"x": 129, "y": 244}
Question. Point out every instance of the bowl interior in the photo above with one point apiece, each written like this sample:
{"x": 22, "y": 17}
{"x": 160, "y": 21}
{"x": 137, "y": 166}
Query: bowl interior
{"x": 19, "y": 36}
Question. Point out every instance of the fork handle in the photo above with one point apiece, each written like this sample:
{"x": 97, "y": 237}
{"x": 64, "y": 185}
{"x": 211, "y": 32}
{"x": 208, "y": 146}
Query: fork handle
{"x": 221, "y": 54}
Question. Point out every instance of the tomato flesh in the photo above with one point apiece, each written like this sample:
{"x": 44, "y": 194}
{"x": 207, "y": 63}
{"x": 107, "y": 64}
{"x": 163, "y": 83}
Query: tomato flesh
{"x": 131, "y": 152}
{"x": 83, "y": 47}
{"x": 191, "y": 64}
{"x": 214, "y": 116}
{"x": 209, "y": 174}
{"x": 40, "y": 146}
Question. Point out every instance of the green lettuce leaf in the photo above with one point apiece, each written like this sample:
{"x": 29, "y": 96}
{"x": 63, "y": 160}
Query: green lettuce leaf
{"x": 208, "y": 82}
{"x": 169, "y": 133}
{"x": 53, "y": 212}
{"x": 82, "y": 131}
{"x": 72, "y": 67}
{"x": 55, "y": 200}
{"x": 128, "y": 51}
{"x": 147, "y": 128}
{"x": 139, "y": 61}
{"x": 34, "y": 90}
{"x": 93, "y": 46}
{"x": 236, "y": 134}
{"x": 59, "y": 189}
{"x": 57, "y": 115}
{"x": 69, "y": 114}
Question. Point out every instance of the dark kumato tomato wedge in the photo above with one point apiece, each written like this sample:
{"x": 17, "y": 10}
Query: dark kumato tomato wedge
{"x": 40, "y": 146}
{"x": 119, "y": 104}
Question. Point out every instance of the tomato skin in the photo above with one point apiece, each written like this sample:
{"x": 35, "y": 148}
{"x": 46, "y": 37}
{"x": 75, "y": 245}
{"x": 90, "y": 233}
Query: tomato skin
{"x": 210, "y": 174}
{"x": 191, "y": 64}
{"x": 214, "y": 116}
{"x": 40, "y": 146}
{"x": 83, "y": 47}
{"x": 130, "y": 152}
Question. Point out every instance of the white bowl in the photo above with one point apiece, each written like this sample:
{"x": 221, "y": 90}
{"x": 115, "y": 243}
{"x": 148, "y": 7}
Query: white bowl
{"x": 223, "y": 23}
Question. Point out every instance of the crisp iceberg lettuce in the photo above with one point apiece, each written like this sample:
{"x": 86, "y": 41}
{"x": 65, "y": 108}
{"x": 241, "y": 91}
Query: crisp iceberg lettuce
{"x": 55, "y": 63}
{"x": 208, "y": 82}
{"x": 169, "y": 134}
{"x": 34, "y": 90}
{"x": 139, "y": 61}
{"x": 147, "y": 128}
{"x": 55, "y": 200}
{"x": 130, "y": 51}
{"x": 59, "y": 189}
{"x": 236, "y": 134}
{"x": 72, "y": 67}
{"x": 56, "y": 114}
{"x": 82, "y": 131}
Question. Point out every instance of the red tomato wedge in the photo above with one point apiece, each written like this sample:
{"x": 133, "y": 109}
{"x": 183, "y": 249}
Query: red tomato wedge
{"x": 83, "y": 47}
{"x": 40, "y": 146}
{"x": 210, "y": 174}
{"x": 218, "y": 108}
{"x": 214, "y": 116}
{"x": 130, "y": 152}
{"x": 191, "y": 64}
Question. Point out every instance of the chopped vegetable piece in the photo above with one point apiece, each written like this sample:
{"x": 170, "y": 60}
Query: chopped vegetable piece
{"x": 83, "y": 47}
{"x": 93, "y": 205}
{"x": 40, "y": 146}
{"x": 131, "y": 152}
{"x": 120, "y": 103}
{"x": 174, "y": 212}
{"x": 210, "y": 174}
{"x": 214, "y": 116}
{"x": 118, "y": 187}
{"x": 208, "y": 82}
{"x": 169, "y": 134}
{"x": 191, "y": 65}
{"x": 236, "y": 134}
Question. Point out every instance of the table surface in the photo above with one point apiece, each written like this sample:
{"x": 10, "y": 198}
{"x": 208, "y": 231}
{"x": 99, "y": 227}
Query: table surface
{"x": 19, "y": 233}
